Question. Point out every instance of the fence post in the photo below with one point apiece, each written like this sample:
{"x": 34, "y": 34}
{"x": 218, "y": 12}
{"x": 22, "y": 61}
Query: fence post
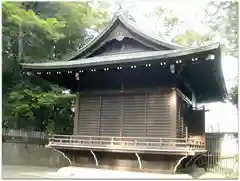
{"x": 90, "y": 140}
{"x": 186, "y": 138}
{"x": 112, "y": 141}
{"x": 50, "y": 138}
{"x": 161, "y": 142}
{"x": 70, "y": 139}
{"x": 136, "y": 142}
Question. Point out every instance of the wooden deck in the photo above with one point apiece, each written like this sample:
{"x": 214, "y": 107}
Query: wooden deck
{"x": 128, "y": 144}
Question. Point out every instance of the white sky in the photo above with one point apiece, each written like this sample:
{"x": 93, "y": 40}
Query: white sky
{"x": 222, "y": 117}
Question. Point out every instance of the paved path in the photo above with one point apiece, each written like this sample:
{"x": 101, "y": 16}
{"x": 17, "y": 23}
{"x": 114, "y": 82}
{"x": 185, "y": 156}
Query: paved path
{"x": 18, "y": 172}
{"x": 27, "y": 172}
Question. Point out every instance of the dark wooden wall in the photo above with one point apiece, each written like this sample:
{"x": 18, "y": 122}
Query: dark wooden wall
{"x": 180, "y": 124}
{"x": 132, "y": 114}
{"x": 195, "y": 121}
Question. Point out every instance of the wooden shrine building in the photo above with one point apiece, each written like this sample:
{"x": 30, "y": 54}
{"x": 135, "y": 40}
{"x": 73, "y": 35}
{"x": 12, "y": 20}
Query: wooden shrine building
{"x": 137, "y": 98}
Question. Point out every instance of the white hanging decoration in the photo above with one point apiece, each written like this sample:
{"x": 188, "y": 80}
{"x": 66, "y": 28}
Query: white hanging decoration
{"x": 210, "y": 57}
{"x": 77, "y": 75}
{"x": 172, "y": 68}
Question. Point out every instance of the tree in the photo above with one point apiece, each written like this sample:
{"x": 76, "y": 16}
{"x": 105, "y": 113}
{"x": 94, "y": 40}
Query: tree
{"x": 191, "y": 38}
{"x": 223, "y": 21}
{"x": 221, "y": 18}
{"x": 40, "y": 110}
{"x": 40, "y": 31}
{"x": 166, "y": 20}
{"x": 233, "y": 95}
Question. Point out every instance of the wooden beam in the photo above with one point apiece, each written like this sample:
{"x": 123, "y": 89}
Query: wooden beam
{"x": 185, "y": 98}
{"x": 192, "y": 91}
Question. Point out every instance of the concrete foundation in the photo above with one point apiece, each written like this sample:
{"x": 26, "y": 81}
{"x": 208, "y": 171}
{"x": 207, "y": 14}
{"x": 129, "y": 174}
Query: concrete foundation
{"x": 30, "y": 154}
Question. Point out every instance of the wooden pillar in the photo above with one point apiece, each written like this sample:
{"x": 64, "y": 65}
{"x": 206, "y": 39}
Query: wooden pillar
{"x": 194, "y": 104}
{"x": 121, "y": 116}
{"x": 99, "y": 115}
{"x": 76, "y": 117}
{"x": 145, "y": 114}
{"x": 173, "y": 113}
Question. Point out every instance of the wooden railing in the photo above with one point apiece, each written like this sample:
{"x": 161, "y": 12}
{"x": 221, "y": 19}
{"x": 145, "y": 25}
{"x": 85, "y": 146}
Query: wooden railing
{"x": 78, "y": 141}
{"x": 108, "y": 141}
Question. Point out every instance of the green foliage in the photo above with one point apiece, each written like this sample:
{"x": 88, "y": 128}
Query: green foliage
{"x": 233, "y": 95}
{"x": 166, "y": 20}
{"x": 16, "y": 14}
{"x": 38, "y": 110}
{"x": 34, "y": 32}
{"x": 223, "y": 22}
{"x": 191, "y": 38}
{"x": 221, "y": 18}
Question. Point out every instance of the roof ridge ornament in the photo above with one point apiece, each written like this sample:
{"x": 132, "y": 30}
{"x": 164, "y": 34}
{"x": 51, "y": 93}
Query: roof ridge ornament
{"x": 120, "y": 9}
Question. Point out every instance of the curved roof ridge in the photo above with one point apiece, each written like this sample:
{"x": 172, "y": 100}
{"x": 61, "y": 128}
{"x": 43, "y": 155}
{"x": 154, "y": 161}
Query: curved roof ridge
{"x": 95, "y": 39}
{"x": 124, "y": 57}
{"x": 120, "y": 17}
{"x": 147, "y": 36}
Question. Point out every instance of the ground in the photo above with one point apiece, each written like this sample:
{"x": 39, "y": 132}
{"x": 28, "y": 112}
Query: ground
{"x": 14, "y": 172}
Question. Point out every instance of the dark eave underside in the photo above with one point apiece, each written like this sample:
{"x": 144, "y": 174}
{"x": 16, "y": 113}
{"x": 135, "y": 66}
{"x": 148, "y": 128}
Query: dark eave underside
{"x": 204, "y": 75}
{"x": 119, "y": 59}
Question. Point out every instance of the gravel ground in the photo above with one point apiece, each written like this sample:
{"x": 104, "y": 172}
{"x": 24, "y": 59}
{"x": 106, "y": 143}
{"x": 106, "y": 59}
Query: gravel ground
{"x": 27, "y": 172}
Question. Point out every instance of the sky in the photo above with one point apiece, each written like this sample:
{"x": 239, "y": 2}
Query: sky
{"x": 221, "y": 116}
